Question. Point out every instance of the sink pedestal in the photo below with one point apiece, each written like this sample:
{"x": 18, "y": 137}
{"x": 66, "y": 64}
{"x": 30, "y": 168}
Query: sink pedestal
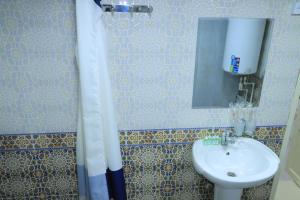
{"x": 221, "y": 193}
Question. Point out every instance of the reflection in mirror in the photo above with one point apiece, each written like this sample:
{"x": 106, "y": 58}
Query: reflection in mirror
{"x": 231, "y": 55}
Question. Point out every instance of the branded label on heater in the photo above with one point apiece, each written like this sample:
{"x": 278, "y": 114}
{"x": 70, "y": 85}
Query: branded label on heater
{"x": 235, "y": 64}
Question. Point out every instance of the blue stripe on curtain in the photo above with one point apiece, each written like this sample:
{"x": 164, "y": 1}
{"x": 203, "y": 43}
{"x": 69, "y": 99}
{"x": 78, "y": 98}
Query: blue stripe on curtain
{"x": 116, "y": 184}
{"x": 98, "y": 2}
{"x": 91, "y": 187}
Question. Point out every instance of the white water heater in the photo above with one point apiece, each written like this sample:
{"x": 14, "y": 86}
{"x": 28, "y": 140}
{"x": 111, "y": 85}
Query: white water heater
{"x": 243, "y": 44}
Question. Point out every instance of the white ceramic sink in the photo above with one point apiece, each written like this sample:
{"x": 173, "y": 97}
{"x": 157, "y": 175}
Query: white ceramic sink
{"x": 246, "y": 163}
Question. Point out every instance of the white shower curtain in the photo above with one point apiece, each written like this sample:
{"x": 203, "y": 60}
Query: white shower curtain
{"x": 99, "y": 163}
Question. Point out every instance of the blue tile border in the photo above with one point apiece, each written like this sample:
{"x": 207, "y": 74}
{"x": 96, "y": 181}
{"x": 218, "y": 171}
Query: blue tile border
{"x": 198, "y": 128}
{"x": 123, "y": 137}
{"x": 186, "y": 143}
{"x": 40, "y": 133}
{"x": 38, "y": 149}
{"x": 136, "y": 130}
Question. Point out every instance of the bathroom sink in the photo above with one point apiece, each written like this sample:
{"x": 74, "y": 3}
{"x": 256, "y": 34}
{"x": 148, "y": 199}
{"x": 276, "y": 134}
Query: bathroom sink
{"x": 246, "y": 163}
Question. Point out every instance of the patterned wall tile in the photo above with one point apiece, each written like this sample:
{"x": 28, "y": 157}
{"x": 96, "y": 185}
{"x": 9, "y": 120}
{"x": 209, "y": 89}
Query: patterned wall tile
{"x": 190, "y": 135}
{"x": 54, "y": 140}
{"x": 157, "y": 165}
{"x": 266, "y": 133}
{"x": 15, "y": 142}
{"x": 49, "y": 140}
{"x": 38, "y": 173}
{"x": 38, "y": 98}
{"x": 151, "y": 62}
{"x": 39, "y": 77}
{"x": 39, "y": 166}
{"x": 163, "y": 171}
{"x": 161, "y": 167}
{"x": 258, "y": 193}
{"x": 274, "y": 145}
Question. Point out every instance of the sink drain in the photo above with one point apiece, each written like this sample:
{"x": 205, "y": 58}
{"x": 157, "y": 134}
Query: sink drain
{"x": 231, "y": 174}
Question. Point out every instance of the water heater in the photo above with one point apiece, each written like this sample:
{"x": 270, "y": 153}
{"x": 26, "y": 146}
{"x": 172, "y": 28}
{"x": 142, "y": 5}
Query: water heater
{"x": 243, "y": 43}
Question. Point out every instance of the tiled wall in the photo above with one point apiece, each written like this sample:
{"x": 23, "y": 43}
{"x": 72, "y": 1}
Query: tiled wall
{"x": 152, "y": 62}
{"x": 152, "y": 67}
{"x": 39, "y": 166}
{"x": 157, "y": 165}
{"x": 37, "y": 60}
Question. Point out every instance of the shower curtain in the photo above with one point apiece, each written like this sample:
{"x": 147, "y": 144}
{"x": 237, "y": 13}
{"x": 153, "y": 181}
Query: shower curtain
{"x": 99, "y": 164}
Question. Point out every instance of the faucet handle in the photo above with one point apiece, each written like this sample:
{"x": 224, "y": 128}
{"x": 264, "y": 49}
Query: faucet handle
{"x": 224, "y": 137}
{"x": 228, "y": 133}
{"x": 227, "y": 137}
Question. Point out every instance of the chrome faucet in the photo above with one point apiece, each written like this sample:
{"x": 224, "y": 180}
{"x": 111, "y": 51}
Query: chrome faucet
{"x": 227, "y": 138}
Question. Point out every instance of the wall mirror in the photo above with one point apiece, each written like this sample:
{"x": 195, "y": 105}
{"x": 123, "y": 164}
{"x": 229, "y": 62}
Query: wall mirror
{"x": 231, "y": 56}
